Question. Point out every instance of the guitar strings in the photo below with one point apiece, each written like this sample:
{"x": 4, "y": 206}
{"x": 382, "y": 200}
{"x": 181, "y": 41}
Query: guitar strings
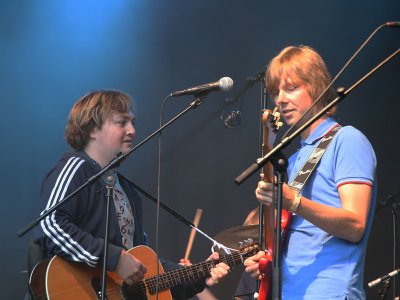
{"x": 169, "y": 279}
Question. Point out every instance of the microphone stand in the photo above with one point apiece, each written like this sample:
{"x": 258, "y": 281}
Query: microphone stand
{"x": 396, "y": 217}
{"x": 233, "y": 118}
{"x": 199, "y": 98}
{"x": 342, "y": 93}
{"x": 280, "y": 164}
{"x": 384, "y": 288}
{"x": 110, "y": 184}
{"x": 393, "y": 197}
{"x": 386, "y": 281}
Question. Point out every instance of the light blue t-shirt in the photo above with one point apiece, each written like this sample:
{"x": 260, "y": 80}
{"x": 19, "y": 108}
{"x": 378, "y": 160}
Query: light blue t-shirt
{"x": 317, "y": 265}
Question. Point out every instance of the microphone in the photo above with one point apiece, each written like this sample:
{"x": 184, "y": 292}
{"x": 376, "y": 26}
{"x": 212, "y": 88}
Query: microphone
{"x": 225, "y": 84}
{"x": 384, "y": 278}
{"x": 232, "y": 119}
{"x": 393, "y": 24}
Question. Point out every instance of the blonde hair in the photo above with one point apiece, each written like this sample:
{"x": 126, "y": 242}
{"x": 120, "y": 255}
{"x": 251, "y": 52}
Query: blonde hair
{"x": 304, "y": 64}
{"x": 90, "y": 112}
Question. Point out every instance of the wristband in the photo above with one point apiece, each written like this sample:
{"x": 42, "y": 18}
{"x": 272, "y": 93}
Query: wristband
{"x": 296, "y": 203}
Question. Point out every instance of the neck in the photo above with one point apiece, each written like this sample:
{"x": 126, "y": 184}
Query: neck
{"x": 306, "y": 133}
{"x": 100, "y": 157}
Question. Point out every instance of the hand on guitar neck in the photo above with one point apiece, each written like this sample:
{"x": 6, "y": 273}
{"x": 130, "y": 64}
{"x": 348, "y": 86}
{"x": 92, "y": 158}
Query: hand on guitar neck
{"x": 217, "y": 273}
{"x": 265, "y": 190}
{"x": 252, "y": 265}
{"x": 206, "y": 294}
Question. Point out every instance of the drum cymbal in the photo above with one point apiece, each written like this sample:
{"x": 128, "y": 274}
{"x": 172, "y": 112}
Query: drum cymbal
{"x": 232, "y": 236}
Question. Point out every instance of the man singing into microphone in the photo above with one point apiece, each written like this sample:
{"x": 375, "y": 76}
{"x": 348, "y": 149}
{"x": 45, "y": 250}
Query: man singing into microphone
{"x": 324, "y": 252}
{"x": 100, "y": 126}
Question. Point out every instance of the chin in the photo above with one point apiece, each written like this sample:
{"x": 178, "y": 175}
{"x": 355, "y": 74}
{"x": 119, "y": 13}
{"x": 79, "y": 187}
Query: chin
{"x": 289, "y": 122}
{"x": 126, "y": 149}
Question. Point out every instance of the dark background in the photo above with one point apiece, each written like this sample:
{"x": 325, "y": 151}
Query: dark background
{"x": 52, "y": 52}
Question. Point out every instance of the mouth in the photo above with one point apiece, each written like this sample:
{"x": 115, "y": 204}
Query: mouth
{"x": 287, "y": 112}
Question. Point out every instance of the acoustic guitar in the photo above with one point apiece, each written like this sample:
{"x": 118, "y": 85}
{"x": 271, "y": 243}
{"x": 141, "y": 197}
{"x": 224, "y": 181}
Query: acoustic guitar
{"x": 59, "y": 279}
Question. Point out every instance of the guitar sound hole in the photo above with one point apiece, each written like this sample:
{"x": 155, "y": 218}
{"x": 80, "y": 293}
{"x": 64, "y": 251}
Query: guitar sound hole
{"x": 136, "y": 291}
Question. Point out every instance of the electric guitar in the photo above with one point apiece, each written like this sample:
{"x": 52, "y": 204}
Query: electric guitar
{"x": 59, "y": 279}
{"x": 271, "y": 122}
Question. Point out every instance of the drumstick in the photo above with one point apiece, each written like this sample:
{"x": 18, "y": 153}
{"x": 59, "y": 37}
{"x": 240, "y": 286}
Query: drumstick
{"x": 196, "y": 222}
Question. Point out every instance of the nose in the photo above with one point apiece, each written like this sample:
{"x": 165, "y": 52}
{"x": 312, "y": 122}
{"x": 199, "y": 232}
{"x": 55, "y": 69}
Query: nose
{"x": 278, "y": 98}
{"x": 130, "y": 130}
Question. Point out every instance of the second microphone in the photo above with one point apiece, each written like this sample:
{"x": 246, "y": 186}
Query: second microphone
{"x": 225, "y": 84}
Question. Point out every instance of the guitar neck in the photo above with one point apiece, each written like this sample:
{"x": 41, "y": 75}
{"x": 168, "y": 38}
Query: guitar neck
{"x": 169, "y": 279}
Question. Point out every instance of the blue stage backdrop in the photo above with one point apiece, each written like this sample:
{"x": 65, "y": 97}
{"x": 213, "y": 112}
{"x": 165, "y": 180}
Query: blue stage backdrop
{"x": 52, "y": 52}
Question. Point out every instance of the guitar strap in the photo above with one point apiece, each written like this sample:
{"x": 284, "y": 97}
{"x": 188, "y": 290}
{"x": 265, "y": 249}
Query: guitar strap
{"x": 309, "y": 166}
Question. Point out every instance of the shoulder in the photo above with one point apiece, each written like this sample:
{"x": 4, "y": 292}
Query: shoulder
{"x": 350, "y": 131}
{"x": 71, "y": 166}
{"x": 350, "y": 137}
{"x": 354, "y": 157}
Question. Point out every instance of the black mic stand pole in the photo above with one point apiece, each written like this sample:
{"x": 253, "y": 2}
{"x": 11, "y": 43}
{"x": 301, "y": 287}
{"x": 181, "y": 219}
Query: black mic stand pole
{"x": 110, "y": 184}
{"x": 393, "y": 197}
{"x": 261, "y": 209}
{"x": 386, "y": 281}
{"x": 275, "y": 152}
{"x": 172, "y": 212}
{"x": 396, "y": 217}
{"x": 280, "y": 164}
{"x": 384, "y": 288}
{"x": 250, "y": 81}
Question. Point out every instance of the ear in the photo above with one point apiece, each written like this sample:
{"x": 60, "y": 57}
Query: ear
{"x": 93, "y": 133}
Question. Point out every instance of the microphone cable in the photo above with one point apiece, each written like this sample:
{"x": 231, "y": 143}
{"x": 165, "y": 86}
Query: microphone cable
{"x": 159, "y": 194}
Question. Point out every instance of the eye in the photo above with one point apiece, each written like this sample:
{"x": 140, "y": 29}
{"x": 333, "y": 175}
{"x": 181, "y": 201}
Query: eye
{"x": 121, "y": 123}
{"x": 292, "y": 88}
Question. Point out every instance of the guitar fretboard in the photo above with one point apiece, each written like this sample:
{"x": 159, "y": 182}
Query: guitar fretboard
{"x": 178, "y": 276}
{"x": 170, "y": 279}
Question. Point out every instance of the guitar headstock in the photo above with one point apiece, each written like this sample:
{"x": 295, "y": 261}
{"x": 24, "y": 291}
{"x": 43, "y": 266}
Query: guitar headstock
{"x": 271, "y": 122}
{"x": 271, "y": 119}
{"x": 249, "y": 248}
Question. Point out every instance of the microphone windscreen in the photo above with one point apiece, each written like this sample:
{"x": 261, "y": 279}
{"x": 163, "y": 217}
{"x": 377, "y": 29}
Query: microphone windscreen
{"x": 226, "y": 84}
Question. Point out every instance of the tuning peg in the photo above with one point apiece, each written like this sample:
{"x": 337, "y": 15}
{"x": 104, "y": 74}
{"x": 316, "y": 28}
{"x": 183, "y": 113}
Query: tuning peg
{"x": 249, "y": 241}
